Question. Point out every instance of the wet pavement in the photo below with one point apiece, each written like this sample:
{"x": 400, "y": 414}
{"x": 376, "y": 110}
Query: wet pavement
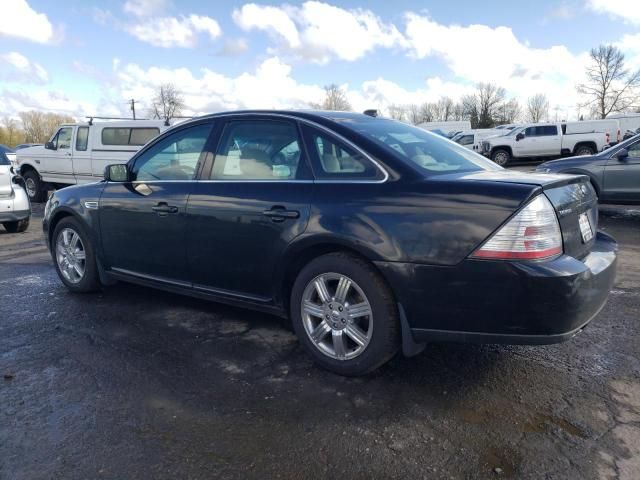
{"x": 136, "y": 383}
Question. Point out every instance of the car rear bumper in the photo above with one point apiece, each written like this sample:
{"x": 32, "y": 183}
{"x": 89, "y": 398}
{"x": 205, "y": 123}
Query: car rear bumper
{"x": 504, "y": 302}
{"x": 13, "y": 216}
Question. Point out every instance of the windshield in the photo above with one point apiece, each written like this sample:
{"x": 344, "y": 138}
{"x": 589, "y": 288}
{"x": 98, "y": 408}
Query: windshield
{"x": 432, "y": 153}
{"x": 619, "y": 146}
{"x": 515, "y": 131}
{"x": 5, "y": 149}
{"x": 4, "y": 160}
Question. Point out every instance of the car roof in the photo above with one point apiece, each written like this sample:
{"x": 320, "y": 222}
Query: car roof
{"x": 301, "y": 114}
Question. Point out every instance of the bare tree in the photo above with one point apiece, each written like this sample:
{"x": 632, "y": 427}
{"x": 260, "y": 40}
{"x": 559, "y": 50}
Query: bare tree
{"x": 445, "y": 109}
{"x": 38, "y": 126}
{"x": 489, "y": 96}
{"x": 10, "y": 129}
{"x": 426, "y": 112}
{"x": 335, "y": 98}
{"x": 458, "y": 112}
{"x": 469, "y": 108}
{"x": 610, "y": 86}
{"x": 509, "y": 112}
{"x": 397, "y": 112}
{"x": 168, "y": 102}
{"x": 537, "y": 108}
{"x": 413, "y": 114}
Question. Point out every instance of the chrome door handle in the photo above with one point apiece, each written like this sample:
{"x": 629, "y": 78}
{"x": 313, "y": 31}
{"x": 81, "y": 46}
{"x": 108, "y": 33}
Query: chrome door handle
{"x": 280, "y": 213}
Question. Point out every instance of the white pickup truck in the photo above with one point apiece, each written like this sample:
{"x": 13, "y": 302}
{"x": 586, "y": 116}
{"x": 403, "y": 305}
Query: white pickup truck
{"x": 543, "y": 140}
{"x": 79, "y": 152}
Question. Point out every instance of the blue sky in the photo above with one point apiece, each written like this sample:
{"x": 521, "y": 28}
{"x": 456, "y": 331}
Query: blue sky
{"x": 88, "y": 57}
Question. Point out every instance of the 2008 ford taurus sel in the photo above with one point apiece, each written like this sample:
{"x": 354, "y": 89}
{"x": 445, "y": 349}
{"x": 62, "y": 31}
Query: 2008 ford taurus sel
{"x": 369, "y": 234}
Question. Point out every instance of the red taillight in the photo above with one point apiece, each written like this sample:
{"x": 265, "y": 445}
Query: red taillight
{"x": 619, "y": 135}
{"x": 532, "y": 234}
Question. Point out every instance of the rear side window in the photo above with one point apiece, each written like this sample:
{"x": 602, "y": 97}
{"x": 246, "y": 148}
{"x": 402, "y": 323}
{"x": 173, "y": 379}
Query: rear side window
{"x": 128, "y": 136}
{"x": 82, "y": 139}
{"x": 549, "y": 130}
{"x": 265, "y": 150}
{"x": 335, "y": 160}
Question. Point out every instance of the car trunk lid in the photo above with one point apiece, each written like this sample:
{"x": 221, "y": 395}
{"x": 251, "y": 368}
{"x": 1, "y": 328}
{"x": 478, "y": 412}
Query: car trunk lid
{"x": 572, "y": 197}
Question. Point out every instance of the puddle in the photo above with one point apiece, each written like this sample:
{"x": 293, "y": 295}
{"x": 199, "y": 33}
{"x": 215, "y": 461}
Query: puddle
{"x": 543, "y": 422}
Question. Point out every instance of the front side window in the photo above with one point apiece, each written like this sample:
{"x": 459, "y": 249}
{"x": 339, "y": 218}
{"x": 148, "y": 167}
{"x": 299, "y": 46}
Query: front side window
{"x": 634, "y": 150}
{"x": 531, "y": 132}
{"x": 173, "y": 158}
{"x": 63, "y": 138}
{"x": 82, "y": 139}
{"x": 258, "y": 150}
{"x": 466, "y": 140}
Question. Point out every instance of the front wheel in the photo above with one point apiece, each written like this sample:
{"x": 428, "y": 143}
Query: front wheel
{"x": 34, "y": 186}
{"x": 74, "y": 256}
{"x": 17, "y": 226}
{"x": 344, "y": 314}
{"x": 584, "y": 150}
{"x": 501, "y": 157}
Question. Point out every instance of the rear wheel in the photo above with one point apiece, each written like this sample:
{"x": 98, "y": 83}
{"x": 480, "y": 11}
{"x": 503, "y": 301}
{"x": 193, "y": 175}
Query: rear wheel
{"x": 16, "y": 227}
{"x": 74, "y": 257}
{"x": 344, "y": 314}
{"x": 501, "y": 157}
{"x": 584, "y": 150}
{"x": 34, "y": 186}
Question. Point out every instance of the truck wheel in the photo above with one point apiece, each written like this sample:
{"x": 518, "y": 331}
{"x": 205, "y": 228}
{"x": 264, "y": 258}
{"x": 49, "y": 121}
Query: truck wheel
{"x": 344, "y": 314}
{"x": 16, "y": 227}
{"x": 34, "y": 186}
{"x": 501, "y": 157}
{"x": 584, "y": 150}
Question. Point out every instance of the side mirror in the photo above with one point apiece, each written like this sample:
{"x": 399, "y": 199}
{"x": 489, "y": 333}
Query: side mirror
{"x": 116, "y": 173}
{"x": 622, "y": 154}
{"x": 49, "y": 146}
{"x": 519, "y": 136}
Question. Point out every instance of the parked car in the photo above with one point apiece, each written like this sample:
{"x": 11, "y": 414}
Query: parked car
{"x": 542, "y": 140}
{"x": 368, "y": 233}
{"x": 448, "y": 128}
{"x": 27, "y": 145}
{"x": 614, "y": 173}
{"x": 472, "y": 139}
{"x": 10, "y": 153}
{"x": 78, "y": 153}
{"x": 15, "y": 209}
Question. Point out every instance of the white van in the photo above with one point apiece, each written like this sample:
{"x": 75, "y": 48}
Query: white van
{"x": 79, "y": 152}
{"x": 472, "y": 139}
{"x": 628, "y": 121}
{"x": 609, "y": 126}
{"x": 449, "y": 128}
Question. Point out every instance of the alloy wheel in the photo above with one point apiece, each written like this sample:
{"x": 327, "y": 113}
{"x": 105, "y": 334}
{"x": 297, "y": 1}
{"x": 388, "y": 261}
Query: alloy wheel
{"x": 31, "y": 187}
{"x": 337, "y": 316}
{"x": 71, "y": 255}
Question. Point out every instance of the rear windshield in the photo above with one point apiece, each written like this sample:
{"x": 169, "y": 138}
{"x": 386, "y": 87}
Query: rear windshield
{"x": 432, "y": 153}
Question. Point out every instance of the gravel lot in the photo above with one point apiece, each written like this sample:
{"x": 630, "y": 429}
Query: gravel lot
{"x": 136, "y": 383}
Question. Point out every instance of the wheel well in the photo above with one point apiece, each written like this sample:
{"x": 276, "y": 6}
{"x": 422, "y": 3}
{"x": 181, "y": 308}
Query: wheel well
{"x": 26, "y": 168}
{"x": 508, "y": 149}
{"x": 591, "y": 145}
{"x": 302, "y": 258}
{"x": 55, "y": 220}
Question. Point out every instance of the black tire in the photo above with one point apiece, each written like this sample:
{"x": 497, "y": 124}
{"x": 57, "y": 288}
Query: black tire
{"x": 90, "y": 281}
{"x": 385, "y": 335}
{"x": 35, "y": 189}
{"x": 584, "y": 150}
{"x": 501, "y": 157}
{"x": 17, "y": 226}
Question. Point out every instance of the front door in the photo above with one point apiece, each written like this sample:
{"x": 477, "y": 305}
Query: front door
{"x": 57, "y": 163}
{"x": 255, "y": 202}
{"x": 622, "y": 177}
{"x": 143, "y": 222}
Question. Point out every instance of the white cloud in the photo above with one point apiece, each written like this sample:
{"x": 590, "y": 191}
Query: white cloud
{"x": 170, "y": 32}
{"x": 233, "y": 47}
{"x": 18, "y": 19}
{"x": 627, "y": 10}
{"x": 477, "y": 53}
{"x": 21, "y": 69}
{"x": 145, "y": 8}
{"x": 318, "y": 31}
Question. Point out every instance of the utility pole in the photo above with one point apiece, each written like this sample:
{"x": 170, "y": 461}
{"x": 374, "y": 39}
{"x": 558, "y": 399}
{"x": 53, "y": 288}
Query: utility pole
{"x": 133, "y": 107}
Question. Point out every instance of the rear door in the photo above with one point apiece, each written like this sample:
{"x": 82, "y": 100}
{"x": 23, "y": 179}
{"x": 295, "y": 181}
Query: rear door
{"x": 549, "y": 140}
{"x": 143, "y": 222}
{"x": 622, "y": 177}
{"x": 251, "y": 203}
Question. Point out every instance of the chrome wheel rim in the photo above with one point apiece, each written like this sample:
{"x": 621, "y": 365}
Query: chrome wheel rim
{"x": 31, "y": 187}
{"x": 337, "y": 316}
{"x": 500, "y": 159}
{"x": 71, "y": 255}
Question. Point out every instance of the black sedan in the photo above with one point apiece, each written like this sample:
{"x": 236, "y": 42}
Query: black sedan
{"x": 614, "y": 173}
{"x": 369, "y": 234}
